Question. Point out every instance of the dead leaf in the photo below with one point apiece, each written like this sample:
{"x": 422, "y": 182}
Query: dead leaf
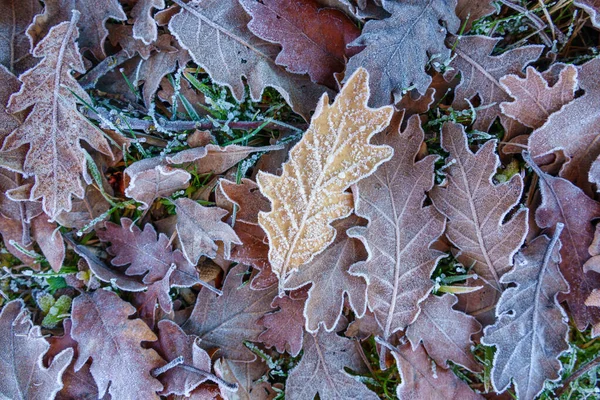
{"x": 104, "y": 332}
{"x": 445, "y": 332}
{"x": 50, "y": 240}
{"x": 563, "y": 202}
{"x": 313, "y": 40}
{"x": 399, "y": 232}
{"x": 247, "y": 376}
{"x": 480, "y": 74}
{"x": 199, "y": 227}
{"x": 225, "y": 322}
{"x": 476, "y": 209}
{"x": 220, "y": 27}
{"x": 594, "y": 301}
{"x": 23, "y": 346}
{"x": 534, "y": 100}
{"x": 54, "y": 127}
{"x": 532, "y": 329}
{"x": 144, "y": 26}
{"x": 592, "y": 7}
{"x": 157, "y": 296}
{"x": 122, "y": 35}
{"x": 470, "y": 11}
{"x": 15, "y": 46}
{"x": 310, "y": 194}
{"x": 13, "y": 159}
{"x": 398, "y": 48}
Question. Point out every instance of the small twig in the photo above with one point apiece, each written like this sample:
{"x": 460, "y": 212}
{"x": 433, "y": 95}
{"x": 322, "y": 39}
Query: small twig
{"x": 89, "y": 80}
{"x": 587, "y": 368}
{"x": 172, "y": 364}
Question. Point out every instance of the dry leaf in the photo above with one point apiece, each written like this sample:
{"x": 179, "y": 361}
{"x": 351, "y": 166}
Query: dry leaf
{"x": 104, "y": 332}
{"x": 592, "y": 7}
{"x": 399, "y": 232}
{"x": 476, "y": 209}
{"x": 49, "y": 239}
{"x": 144, "y": 26}
{"x": 594, "y": 301}
{"x": 15, "y": 46}
{"x": 322, "y": 370}
{"x": 398, "y": 48}
{"x": 54, "y": 127}
{"x": 248, "y": 378}
{"x": 331, "y": 281}
{"x": 13, "y": 159}
{"x": 470, "y": 11}
{"x": 531, "y": 331}
{"x": 199, "y": 227}
{"x": 480, "y": 74}
{"x": 147, "y": 303}
{"x": 122, "y": 35}
{"x": 94, "y": 14}
{"x": 445, "y": 332}
{"x": 23, "y": 346}
{"x": 313, "y": 40}
{"x": 225, "y": 322}
{"x": 219, "y": 27}
{"x": 534, "y": 100}
{"x": 565, "y": 203}
{"x": 333, "y": 154}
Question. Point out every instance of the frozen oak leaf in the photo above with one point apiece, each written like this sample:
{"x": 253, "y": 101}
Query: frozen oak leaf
{"x": 322, "y": 370}
{"x": 22, "y": 347}
{"x": 398, "y": 48}
{"x": 94, "y": 14}
{"x": 145, "y": 253}
{"x": 144, "y": 26}
{"x": 531, "y": 331}
{"x": 445, "y": 332}
{"x": 13, "y": 159}
{"x": 594, "y": 301}
{"x": 399, "y": 231}
{"x": 480, "y": 74}
{"x": 470, "y": 11}
{"x": 227, "y": 321}
{"x": 54, "y": 128}
{"x": 210, "y": 27}
{"x": 476, "y": 209}
{"x": 249, "y": 378}
{"x": 15, "y": 46}
{"x": 565, "y": 203}
{"x": 422, "y": 380}
{"x": 534, "y": 100}
{"x": 149, "y": 180}
{"x": 313, "y": 40}
{"x": 592, "y": 7}
{"x": 199, "y": 227}
{"x": 331, "y": 281}
{"x": 104, "y": 332}
{"x": 311, "y": 193}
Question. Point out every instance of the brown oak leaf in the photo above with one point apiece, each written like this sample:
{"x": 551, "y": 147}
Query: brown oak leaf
{"x": 313, "y": 40}
{"x": 532, "y": 329}
{"x": 399, "y": 231}
{"x": 476, "y": 209}
{"x": 592, "y": 7}
{"x": 13, "y": 159}
{"x": 470, "y": 11}
{"x": 565, "y": 203}
{"x": 54, "y": 128}
{"x": 104, "y": 332}
{"x": 144, "y": 26}
{"x": 247, "y": 376}
{"x": 15, "y": 46}
{"x": 22, "y": 345}
{"x": 334, "y": 153}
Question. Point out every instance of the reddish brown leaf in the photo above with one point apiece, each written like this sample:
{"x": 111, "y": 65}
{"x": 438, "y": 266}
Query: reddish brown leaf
{"x": 399, "y": 231}
{"x": 445, "y": 332}
{"x": 481, "y": 72}
{"x": 563, "y": 202}
{"x": 534, "y": 100}
{"x": 476, "y": 209}
{"x": 225, "y": 322}
{"x": 470, "y": 11}
{"x": 144, "y": 26}
{"x": 313, "y": 40}
{"x": 49, "y": 239}
{"x": 15, "y": 46}
{"x": 104, "y": 332}
{"x": 23, "y": 346}
{"x": 122, "y": 35}
{"x": 157, "y": 295}
{"x": 13, "y": 159}
{"x": 54, "y": 127}
{"x": 532, "y": 329}
{"x": 248, "y": 378}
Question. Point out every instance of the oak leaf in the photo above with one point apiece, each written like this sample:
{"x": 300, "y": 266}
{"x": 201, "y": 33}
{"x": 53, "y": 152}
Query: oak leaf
{"x": 445, "y": 332}
{"x": 531, "y": 331}
{"x": 23, "y": 346}
{"x": 480, "y": 74}
{"x": 199, "y": 227}
{"x": 155, "y": 300}
{"x": 13, "y": 159}
{"x": 594, "y": 301}
{"x": 104, "y": 332}
{"x": 398, "y": 48}
{"x": 565, "y": 203}
{"x": 54, "y": 127}
{"x": 248, "y": 377}
{"x": 476, "y": 209}
{"x": 399, "y": 231}
{"x": 322, "y": 370}
{"x": 15, "y": 46}
{"x": 94, "y": 14}
{"x": 592, "y": 7}
{"x": 333, "y": 154}
{"x": 227, "y": 321}
{"x": 470, "y": 11}
{"x": 144, "y": 26}
{"x": 534, "y": 100}
{"x": 220, "y": 27}
{"x": 313, "y": 40}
